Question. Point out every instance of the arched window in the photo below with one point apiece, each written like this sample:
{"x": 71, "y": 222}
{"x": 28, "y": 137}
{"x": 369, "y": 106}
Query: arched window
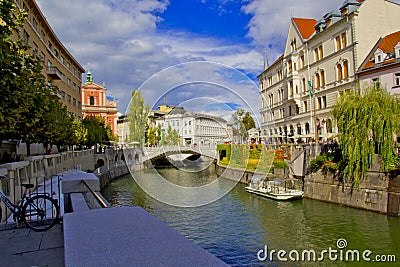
{"x": 322, "y": 78}
{"x": 345, "y": 69}
{"x": 91, "y": 99}
{"x": 307, "y": 128}
{"x": 339, "y": 72}
{"x": 317, "y": 80}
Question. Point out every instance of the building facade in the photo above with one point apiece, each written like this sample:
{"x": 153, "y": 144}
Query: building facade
{"x": 319, "y": 63}
{"x": 381, "y": 68}
{"x": 195, "y": 128}
{"x": 60, "y": 68}
{"x": 96, "y": 102}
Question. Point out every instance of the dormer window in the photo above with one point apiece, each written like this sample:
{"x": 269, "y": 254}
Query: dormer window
{"x": 397, "y": 50}
{"x": 379, "y": 56}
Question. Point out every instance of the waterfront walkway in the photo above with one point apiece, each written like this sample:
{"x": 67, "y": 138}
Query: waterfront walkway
{"x": 25, "y": 247}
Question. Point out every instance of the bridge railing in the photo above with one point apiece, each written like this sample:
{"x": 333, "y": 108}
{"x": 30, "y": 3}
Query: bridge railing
{"x": 206, "y": 150}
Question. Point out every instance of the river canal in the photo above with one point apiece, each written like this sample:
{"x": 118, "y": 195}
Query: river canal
{"x": 239, "y": 226}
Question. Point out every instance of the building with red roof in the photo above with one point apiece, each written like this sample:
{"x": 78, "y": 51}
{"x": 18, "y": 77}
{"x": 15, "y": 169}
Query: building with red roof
{"x": 381, "y": 68}
{"x": 96, "y": 102}
{"x": 319, "y": 63}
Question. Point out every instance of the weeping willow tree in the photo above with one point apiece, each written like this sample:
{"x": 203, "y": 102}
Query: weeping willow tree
{"x": 367, "y": 124}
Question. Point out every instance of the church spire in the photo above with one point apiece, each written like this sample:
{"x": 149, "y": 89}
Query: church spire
{"x": 266, "y": 64}
{"x": 89, "y": 77}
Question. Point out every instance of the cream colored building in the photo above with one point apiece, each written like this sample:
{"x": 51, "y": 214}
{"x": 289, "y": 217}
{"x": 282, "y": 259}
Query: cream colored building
{"x": 59, "y": 66}
{"x": 322, "y": 57}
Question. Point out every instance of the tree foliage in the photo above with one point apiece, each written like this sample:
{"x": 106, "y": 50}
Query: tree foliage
{"x": 367, "y": 124}
{"x": 28, "y": 111}
{"x": 97, "y": 131}
{"x": 137, "y": 118}
{"x": 243, "y": 121}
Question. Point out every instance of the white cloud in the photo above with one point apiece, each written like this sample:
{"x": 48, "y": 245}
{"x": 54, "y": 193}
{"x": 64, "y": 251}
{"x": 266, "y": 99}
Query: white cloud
{"x": 270, "y": 20}
{"x": 120, "y": 40}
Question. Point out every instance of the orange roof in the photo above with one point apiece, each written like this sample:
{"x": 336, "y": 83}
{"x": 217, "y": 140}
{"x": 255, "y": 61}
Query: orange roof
{"x": 386, "y": 44}
{"x": 305, "y": 26}
{"x": 389, "y": 42}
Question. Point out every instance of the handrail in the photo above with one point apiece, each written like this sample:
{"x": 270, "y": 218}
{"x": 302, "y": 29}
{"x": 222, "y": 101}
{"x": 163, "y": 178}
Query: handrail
{"x": 98, "y": 198}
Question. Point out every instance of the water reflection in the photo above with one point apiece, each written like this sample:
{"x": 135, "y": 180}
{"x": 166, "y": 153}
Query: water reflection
{"x": 238, "y": 225}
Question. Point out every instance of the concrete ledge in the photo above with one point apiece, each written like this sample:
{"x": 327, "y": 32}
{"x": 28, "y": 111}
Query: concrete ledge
{"x": 72, "y": 182}
{"x": 78, "y": 202}
{"x": 128, "y": 236}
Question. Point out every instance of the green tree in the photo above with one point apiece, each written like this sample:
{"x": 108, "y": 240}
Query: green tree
{"x": 96, "y": 130}
{"x": 367, "y": 124}
{"x": 240, "y": 128}
{"x": 11, "y": 67}
{"x": 137, "y": 118}
{"x": 248, "y": 121}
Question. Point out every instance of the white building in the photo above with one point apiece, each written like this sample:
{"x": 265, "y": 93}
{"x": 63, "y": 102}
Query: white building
{"x": 196, "y": 128}
{"x": 381, "y": 68}
{"x": 322, "y": 57}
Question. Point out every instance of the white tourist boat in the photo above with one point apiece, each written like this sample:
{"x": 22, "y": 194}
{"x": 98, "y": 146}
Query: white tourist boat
{"x": 276, "y": 189}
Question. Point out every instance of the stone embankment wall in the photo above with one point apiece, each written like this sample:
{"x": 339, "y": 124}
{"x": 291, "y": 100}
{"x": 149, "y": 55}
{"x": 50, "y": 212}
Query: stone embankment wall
{"x": 235, "y": 174}
{"x": 372, "y": 193}
{"x": 377, "y": 192}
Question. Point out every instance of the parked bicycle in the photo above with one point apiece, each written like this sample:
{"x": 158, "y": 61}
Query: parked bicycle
{"x": 39, "y": 211}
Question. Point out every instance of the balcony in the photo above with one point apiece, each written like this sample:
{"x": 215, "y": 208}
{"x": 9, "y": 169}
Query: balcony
{"x": 54, "y": 73}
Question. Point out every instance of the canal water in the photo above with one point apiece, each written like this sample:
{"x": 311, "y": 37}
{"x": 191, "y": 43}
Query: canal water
{"x": 239, "y": 227}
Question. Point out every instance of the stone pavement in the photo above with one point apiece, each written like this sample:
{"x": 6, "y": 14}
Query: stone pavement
{"x": 25, "y": 247}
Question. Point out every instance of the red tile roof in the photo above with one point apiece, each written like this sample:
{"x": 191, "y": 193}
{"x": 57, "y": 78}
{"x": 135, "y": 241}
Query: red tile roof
{"x": 305, "y": 26}
{"x": 386, "y": 44}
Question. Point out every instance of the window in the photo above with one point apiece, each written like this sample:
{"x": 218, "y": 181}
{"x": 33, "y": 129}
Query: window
{"x": 74, "y": 102}
{"x": 305, "y": 106}
{"x": 324, "y": 105}
{"x": 291, "y": 88}
{"x": 35, "y": 24}
{"x": 290, "y": 110}
{"x": 42, "y": 57}
{"x": 56, "y": 52}
{"x": 43, "y": 36}
{"x": 280, "y": 75}
{"x": 341, "y": 41}
{"x": 35, "y": 48}
{"x": 397, "y": 79}
{"x": 269, "y": 81}
{"x": 69, "y": 99}
{"x": 337, "y": 42}
{"x": 303, "y": 83}
{"x": 319, "y": 103}
{"x": 345, "y": 69}
{"x": 339, "y": 72}
{"x": 376, "y": 83}
{"x": 344, "y": 40}
{"x": 26, "y": 36}
{"x": 290, "y": 66}
{"x": 317, "y": 80}
{"x": 50, "y": 45}
{"x": 322, "y": 78}
{"x": 318, "y": 53}
{"x": 91, "y": 100}
{"x": 316, "y": 58}
{"x": 302, "y": 62}
{"x": 62, "y": 59}
{"x": 397, "y": 50}
{"x": 321, "y": 52}
{"x": 378, "y": 56}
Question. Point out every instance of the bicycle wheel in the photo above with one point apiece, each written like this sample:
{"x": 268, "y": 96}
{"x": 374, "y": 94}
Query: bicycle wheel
{"x": 40, "y": 213}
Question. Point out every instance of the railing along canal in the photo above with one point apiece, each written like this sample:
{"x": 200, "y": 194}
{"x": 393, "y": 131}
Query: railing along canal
{"x": 14, "y": 190}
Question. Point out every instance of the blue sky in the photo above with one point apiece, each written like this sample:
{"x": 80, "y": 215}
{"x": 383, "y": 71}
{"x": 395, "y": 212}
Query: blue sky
{"x": 131, "y": 44}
